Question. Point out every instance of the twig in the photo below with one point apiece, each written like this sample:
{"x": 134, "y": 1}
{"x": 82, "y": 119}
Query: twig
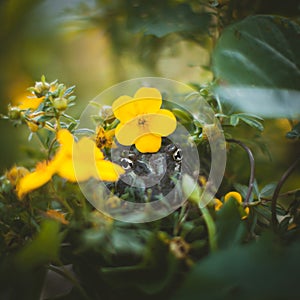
{"x": 252, "y": 168}
{"x": 279, "y": 185}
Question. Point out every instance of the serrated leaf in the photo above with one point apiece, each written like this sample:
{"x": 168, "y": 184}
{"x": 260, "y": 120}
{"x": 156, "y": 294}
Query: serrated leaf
{"x": 258, "y": 60}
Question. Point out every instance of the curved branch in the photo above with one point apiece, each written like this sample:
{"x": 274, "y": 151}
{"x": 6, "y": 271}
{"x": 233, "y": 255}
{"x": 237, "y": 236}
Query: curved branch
{"x": 252, "y": 168}
{"x": 279, "y": 185}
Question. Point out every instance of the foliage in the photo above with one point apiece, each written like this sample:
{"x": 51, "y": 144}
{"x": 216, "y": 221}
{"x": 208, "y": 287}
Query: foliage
{"x": 242, "y": 245}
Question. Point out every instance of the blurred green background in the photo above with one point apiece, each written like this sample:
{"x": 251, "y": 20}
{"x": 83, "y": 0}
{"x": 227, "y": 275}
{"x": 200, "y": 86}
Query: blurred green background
{"x": 95, "y": 44}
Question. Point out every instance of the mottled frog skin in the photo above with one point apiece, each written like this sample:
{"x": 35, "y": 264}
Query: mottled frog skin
{"x": 148, "y": 176}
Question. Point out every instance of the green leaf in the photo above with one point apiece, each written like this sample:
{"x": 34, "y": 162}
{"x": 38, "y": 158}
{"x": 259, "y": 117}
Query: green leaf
{"x": 261, "y": 270}
{"x": 230, "y": 227}
{"x": 252, "y": 122}
{"x": 161, "y": 19}
{"x": 268, "y": 190}
{"x": 43, "y": 249}
{"x": 234, "y": 120}
{"x": 294, "y": 133}
{"x": 257, "y": 63}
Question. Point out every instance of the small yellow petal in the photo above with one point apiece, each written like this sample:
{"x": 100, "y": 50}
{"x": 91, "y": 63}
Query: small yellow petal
{"x": 162, "y": 123}
{"x": 124, "y": 108}
{"x": 36, "y": 179}
{"x": 148, "y": 143}
{"x": 237, "y": 196}
{"x": 108, "y": 171}
{"x": 145, "y": 101}
{"x": 128, "y": 133}
{"x": 66, "y": 170}
{"x": 218, "y": 204}
{"x": 65, "y": 138}
{"x": 30, "y": 103}
{"x": 148, "y": 100}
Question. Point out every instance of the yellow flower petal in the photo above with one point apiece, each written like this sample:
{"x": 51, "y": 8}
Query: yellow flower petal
{"x": 66, "y": 170}
{"x": 148, "y": 100}
{"x": 36, "y": 179}
{"x": 124, "y": 108}
{"x": 237, "y": 196}
{"x": 148, "y": 143}
{"x": 162, "y": 123}
{"x": 108, "y": 171}
{"x": 218, "y": 204}
{"x": 126, "y": 134}
{"x": 66, "y": 140}
{"x": 145, "y": 101}
{"x": 30, "y": 103}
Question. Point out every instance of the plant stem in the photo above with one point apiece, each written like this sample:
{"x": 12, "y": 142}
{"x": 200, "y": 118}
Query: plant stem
{"x": 252, "y": 168}
{"x": 211, "y": 228}
{"x": 279, "y": 185}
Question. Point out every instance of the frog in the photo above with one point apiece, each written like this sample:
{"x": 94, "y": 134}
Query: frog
{"x": 148, "y": 176}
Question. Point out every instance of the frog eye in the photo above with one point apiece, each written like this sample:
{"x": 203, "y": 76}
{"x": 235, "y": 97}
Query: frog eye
{"x": 171, "y": 148}
{"x": 126, "y": 163}
{"x": 132, "y": 156}
{"x": 177, "y": 155}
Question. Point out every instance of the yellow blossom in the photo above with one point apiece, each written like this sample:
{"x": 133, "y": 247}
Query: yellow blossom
{"x": 104, "y": 139}
{"x": 73, "y": 161}
{"x": 30, "y": 103}
{"x": 42, "y": 174}
{"x": 218, "y": 204}
{"x": 15, "y": 174}
{"x": 235, "y": 195}
{"x": 142, "y": 122}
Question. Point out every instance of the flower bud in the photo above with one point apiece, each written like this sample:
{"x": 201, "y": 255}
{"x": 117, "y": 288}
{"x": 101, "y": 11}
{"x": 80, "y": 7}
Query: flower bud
{"x": 14, "y": 113}
{"x": 60, "y": 103}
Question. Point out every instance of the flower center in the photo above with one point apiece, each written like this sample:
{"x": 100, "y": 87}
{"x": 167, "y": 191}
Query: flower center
{"x": 142, "y": 122}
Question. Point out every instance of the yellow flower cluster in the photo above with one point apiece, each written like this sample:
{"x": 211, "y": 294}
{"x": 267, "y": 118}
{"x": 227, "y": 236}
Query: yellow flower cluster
{"x": 73, "y": 161}
{"x": 142, "y": 122}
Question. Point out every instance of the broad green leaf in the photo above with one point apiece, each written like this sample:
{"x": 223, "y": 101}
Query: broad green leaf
{"x": 257, "y": 63}
{"x": 43, "y": 249}
{"x": 262, "y": 270}
{"x": 161, "y": 19}
{"x": 268, "y": 190}
{"x": 230, "y": 227}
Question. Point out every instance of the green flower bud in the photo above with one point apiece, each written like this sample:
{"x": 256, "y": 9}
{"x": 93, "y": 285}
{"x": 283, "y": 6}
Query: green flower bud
{"x": 60, "y": 103}
{"x": 14, "y": 113}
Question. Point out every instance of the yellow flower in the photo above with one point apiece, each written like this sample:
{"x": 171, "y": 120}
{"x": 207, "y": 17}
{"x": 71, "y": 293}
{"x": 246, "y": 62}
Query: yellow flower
{"x": 104, "y": 139}
{"x": 15, "y": 174}
{"x": 142, "y": 122}
{"x": 218, "y": 204}
{"x": 57, "y": 215}
{"x": 42, "y": 174}
{"x": 30, "y": 103}
{"x": 235, "y": 195}
{"x": 73, "y": 161}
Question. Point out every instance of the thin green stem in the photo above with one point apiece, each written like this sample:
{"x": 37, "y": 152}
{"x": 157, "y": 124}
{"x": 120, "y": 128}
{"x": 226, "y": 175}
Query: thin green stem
{"x": 252, "y": 168}
{"x": 211, "y": 228}
{"x": 280, "y": 183}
